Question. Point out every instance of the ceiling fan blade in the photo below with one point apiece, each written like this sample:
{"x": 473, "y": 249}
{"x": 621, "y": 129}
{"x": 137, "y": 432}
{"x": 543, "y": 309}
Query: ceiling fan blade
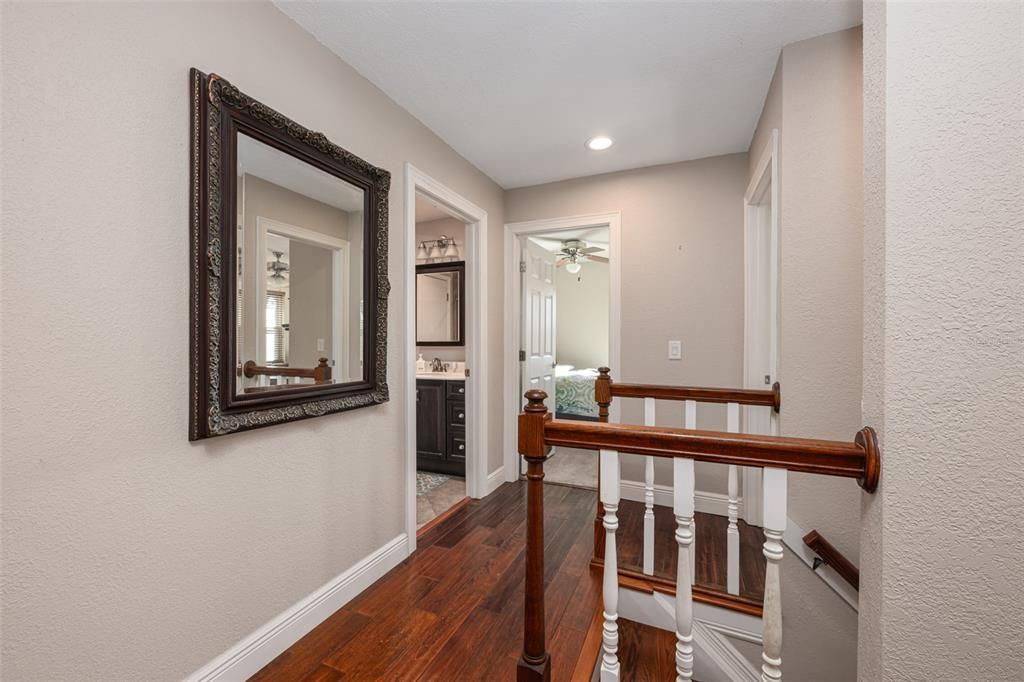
{"x": 592, "y": 249}
{"x": 598, "y": 259}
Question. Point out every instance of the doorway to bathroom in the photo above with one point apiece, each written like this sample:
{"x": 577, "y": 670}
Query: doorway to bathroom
{"x": 445, "y": 337}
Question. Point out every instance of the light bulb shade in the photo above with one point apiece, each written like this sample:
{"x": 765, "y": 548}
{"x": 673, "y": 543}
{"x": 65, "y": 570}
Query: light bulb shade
{"x": 450, "y": 251}
{"x": 435, "y": 252}
{"x": 421, "y": 252}
{"x": 573, "y": 268}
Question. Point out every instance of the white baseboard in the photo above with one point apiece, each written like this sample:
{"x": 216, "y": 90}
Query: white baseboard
{"x": 704, "y": 502}
{"x": 264, "y": 645}
{"x": 495, "y": 480}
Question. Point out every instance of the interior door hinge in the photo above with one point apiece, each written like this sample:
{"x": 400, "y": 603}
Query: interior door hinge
{"x": 522, "y": 266}
{"x": 522, "y": 356}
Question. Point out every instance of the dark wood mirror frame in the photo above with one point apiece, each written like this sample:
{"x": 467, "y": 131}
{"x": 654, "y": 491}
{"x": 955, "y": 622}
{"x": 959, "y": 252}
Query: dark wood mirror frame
{"x": 219, "y": 111}
{"x": 454, "y": 266}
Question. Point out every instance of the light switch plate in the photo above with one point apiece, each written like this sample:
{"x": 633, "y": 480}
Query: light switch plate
{"x": 675, "y": 350}
{"x": 319, "y": 344}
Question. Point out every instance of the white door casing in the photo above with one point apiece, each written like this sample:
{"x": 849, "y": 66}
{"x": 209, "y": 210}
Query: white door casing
{"x": 761, "y": 306}
{"x": 539, "y": 320}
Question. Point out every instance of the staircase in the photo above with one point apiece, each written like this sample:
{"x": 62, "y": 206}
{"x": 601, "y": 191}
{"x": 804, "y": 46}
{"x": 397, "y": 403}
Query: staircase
{"x": 658, "y": 569}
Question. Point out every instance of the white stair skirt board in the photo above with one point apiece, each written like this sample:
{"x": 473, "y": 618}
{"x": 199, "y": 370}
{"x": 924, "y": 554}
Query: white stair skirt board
{"x": 793, "y": 537}
{"x": 704, "y": 502}
{"x": 716, "y": 659}
{"x": 253, "y": 652}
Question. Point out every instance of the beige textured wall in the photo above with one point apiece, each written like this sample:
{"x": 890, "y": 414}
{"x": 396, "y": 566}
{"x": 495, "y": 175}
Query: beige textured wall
{"x": 682, "y": 277}
{"x": 129, "y": 553}
{"x": 944, "y": 355}
{"x": 582, "y": 316}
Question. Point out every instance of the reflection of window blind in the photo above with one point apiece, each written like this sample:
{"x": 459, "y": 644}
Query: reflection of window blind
{"x": 275, "y": 327}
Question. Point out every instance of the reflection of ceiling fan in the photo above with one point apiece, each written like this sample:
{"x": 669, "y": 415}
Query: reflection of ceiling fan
{"x": 276, "y": 267}
{"x": 574, "y": 252}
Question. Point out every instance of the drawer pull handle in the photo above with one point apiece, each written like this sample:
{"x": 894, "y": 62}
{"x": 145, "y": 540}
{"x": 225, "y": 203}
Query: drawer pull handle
{"x": 462, "y": 415}
{"x": 462, "y": 447}
{"x": 462, "y": 390}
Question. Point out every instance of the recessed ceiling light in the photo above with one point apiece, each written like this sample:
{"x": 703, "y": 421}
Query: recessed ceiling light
{"x": 599, "y": 143}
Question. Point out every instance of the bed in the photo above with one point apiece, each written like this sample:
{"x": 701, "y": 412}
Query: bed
{"x": 574, "y": 393}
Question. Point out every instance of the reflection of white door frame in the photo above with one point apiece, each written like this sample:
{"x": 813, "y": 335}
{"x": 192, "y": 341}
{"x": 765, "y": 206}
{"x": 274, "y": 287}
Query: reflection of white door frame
{"x": 478, "y": 482}
{"x": 761, "y": 249}
{"x": 513, "y": 308}
{"x": 339, "y": 271}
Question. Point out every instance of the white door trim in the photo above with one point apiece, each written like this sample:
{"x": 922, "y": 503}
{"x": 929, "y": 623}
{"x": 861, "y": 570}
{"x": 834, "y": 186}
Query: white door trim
{"x": 513, "y": 308}
{"x": 339, "y": 273}
{"x": 476, "y": 336}
{"x": 764, "y": 178}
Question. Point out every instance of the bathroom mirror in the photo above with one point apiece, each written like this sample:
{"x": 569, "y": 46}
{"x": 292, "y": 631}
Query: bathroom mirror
{"x": 440, "y": 304}
{"x": 289, "y": 263}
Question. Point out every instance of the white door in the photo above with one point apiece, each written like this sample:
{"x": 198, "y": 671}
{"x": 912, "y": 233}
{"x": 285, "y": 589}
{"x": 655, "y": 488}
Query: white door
{"x": 538, "y": 365}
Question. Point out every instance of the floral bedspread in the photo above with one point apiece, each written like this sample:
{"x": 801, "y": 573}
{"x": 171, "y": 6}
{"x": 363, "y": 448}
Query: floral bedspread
{"x": 574, "y": 392}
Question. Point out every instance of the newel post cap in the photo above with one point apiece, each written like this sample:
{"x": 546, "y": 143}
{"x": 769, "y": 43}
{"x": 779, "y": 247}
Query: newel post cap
{"x": 535, "y": 401}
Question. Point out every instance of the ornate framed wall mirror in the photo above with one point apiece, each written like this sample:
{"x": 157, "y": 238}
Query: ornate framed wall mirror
{"x": 441, "y": 304}
{"x": 289, "y": 268}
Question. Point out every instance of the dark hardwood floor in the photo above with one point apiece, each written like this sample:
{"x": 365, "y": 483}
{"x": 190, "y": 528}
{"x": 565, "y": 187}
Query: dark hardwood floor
{"x": 646, "y": 654}
{"x": 454, "y": 609}
{"x": 711, "y": 544}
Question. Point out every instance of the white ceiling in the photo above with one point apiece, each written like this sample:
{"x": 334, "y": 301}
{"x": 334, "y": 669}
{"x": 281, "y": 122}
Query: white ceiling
{"x": 518, "y": 87}
{"x": 427, "y": 210}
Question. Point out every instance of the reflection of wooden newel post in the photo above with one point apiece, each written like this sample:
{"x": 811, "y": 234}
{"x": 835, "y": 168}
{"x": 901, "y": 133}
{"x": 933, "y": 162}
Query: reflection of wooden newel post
{"x": 603, "y": 398}
{"x": 535, "y": 663}
{"x": 322, "y": 372}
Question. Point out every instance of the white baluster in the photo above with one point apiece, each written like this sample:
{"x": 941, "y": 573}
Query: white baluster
{"x": 610, "y": 498}
{"x": 690, "y": 422}
{"x": 648, "y": 495}
{"x": 732, "y": 422}
{"x": 682, "y": 485}
{"x": 774, "y": 527}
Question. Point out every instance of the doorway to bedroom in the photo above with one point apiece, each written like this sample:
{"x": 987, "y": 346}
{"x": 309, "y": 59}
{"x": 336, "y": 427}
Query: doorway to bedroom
{"x": 565, "y": 330}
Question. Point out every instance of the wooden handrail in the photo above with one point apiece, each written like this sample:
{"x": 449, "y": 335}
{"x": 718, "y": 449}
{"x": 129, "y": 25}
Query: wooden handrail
{"x": 538, "y": 431}
{"x": 825, "y": 457}
{"x": 321, "y": 373}
{"x": 605, "y": 389}
{"x": 831, "y": 556}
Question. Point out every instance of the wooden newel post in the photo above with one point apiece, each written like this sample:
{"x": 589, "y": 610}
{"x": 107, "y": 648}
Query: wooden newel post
{"x": 535, "y": 663}
{"x": 603, "y": 398}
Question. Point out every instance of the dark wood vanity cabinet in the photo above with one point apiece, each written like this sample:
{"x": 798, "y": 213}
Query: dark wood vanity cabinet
{"x": 441, "y": 426}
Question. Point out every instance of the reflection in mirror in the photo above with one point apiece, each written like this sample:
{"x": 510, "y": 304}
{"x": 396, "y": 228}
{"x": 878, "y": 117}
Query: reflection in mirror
{"x": 439, "y": 304}
{"x": 300, "y": 273}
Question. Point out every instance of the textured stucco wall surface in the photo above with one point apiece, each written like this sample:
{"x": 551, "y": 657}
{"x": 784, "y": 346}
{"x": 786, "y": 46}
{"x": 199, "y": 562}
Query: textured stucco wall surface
{"x": 682, "y": 278}
{"x": 950, "y": 300}
{"x": 128, "y": 553}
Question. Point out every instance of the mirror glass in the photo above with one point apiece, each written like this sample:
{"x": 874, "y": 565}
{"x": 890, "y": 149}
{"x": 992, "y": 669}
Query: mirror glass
{"x": 437, "y": 306}
{"x": 300, "y": 273}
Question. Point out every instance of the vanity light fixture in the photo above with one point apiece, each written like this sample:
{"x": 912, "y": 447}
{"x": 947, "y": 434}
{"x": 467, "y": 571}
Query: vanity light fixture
{"x": 599, "y": 143}
{"x": 438, "y": 250}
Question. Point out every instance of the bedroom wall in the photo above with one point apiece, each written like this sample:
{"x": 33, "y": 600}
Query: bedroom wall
{"x": 682, "y": 277}
{"x": 115, "y": 528}
{"x": 581, "y": 309}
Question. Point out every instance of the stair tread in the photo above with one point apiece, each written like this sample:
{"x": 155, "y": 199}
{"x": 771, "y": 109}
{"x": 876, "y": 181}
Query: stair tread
{"x": 646, "y": 654}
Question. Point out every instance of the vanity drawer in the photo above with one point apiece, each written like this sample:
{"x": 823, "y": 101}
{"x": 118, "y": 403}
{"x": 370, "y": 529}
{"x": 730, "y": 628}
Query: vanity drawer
{"x": 456, "y": 389}
{"x": 457, "y": 413}
{"x": 457, "y": 444}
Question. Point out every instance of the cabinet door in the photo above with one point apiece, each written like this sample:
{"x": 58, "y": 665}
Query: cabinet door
{"x": 430, "y": 428}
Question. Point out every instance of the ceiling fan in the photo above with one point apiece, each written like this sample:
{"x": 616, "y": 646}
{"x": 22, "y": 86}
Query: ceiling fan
{"x": 574, "y": 252}
{"x": 276, "y": 267}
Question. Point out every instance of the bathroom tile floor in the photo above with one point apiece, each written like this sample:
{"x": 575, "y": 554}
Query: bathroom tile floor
{"x": 435, "y": 496}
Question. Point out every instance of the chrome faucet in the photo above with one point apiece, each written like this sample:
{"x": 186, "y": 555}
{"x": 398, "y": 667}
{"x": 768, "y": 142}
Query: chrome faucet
{"x": 436, "y": 365}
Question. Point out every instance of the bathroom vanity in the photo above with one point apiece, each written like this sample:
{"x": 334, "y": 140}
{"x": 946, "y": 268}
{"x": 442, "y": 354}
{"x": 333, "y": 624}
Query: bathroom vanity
{"x": 441, "y": 423}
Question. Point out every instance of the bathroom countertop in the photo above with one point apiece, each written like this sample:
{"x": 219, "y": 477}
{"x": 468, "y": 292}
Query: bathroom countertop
{"x": 442, "y": 376}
